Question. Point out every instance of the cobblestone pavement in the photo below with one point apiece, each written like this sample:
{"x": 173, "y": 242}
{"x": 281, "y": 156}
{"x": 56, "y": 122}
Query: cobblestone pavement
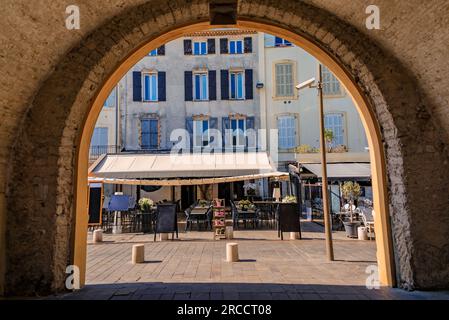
{"x": 194, "y": 267}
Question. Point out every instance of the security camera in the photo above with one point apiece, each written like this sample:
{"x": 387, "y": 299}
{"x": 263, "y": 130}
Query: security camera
{"x": 306, "y": 84}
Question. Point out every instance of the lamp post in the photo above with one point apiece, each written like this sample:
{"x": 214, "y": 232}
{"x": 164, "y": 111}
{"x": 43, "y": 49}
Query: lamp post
{"x": 312, "y": 83}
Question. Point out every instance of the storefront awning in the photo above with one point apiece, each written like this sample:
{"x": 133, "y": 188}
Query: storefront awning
{"x": 163, "y": 166}
{"x": 341, "y": 170}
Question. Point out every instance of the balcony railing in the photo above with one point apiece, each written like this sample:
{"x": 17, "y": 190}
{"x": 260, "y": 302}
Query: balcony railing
{"x": 96, "y": 151}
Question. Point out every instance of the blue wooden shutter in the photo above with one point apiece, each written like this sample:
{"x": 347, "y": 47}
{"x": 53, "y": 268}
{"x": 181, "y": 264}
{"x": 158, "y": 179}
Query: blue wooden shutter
{"x": 223, "y": 45}
{"x": 249, "y": 84}
{"x": 224, "y": 80}
{"x": 187, "y": 47}
{"x": 188, "y": 85}
{"x": 189, "y": 128}
{"x": 161, "y": 83}
{"x": 278, "y": 41}
{"x": 154, "y": 133}
{"x": 137, "y": 86}
{"x": 210, "y": 46}
{"x": 212, "y": 85}
{"x": 226, "y": 125}
{"x": 145, "y": 133}
{"x": 161, "y": 50}
{"x": 248, "y": 44}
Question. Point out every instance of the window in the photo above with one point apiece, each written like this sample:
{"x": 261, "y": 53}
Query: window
{"x": 287, "y": 132}
{"x": 238, "y": 129}
{"x": 150, "y": 133}
{"x": 200, "y": 48}
{"x": 236, "y": 85}
{"x": 331, "y": 85}
{"x": 200, "y": 133}
{"x": 100, "y": 137}
{"x": 153, "y": 53}
{"x": 284, "y": 80}
{"x": 335, "y": 123}
{"x": 279, "y": 42}
{"x": 235, "y": 46}
{"x": 110, "y": 101}
{"x": 150, "y": 87}
{"x": 201, "y": 86}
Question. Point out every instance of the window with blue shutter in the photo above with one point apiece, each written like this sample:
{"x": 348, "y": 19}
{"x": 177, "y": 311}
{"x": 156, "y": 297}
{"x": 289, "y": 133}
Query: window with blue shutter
{"x": 250, "y": 133}
{"x": 279, "y": 42}
{"x": 248, "y": 44}
{"x": 235, "y": 46}
{"x": 236, "y": 85}
{"x": 200, "y": 48}
{"x": 201, "y": 86}
{"x": 287, "y": 132}
{"x": 187, "y": 47}
{"x": 137, "y": 86}
{"x": 212, "y": 85}
{"x": 238, "y": 129}
{"x": 224, "y": 81}
{"x": 99, "y": 138}
{"x": 189, "y": 128}
{"x": 188, "y": 85}
{"x": 225, "y": 127}
{"x": 335, "y": 123}
{"x": 162, "y": 86}
{"x": 150, "y": 87}
{"x": 249, "y": 86}
{"x": 150, "y": 133}
{"x": 223, "y": 45}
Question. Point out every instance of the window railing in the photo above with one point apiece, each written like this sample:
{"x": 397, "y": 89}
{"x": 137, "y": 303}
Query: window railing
{"x": 96, "y": 151}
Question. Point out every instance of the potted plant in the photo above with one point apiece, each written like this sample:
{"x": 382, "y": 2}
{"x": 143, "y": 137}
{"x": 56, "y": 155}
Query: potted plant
{"x": 145, "y": 204}
{"x": 329, "y": 138}
{"x": 244, "y": 205}
{"x": 351, "y": 191}
{"x": 289, "y": 199}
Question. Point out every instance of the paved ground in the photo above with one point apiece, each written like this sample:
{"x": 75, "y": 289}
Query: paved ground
{"x": 194, "y": 267}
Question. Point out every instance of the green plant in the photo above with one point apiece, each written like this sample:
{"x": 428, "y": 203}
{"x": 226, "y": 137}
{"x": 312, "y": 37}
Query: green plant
{"x": 145, "y": 204}
{"x": 351, "y": 191}
{"x": 289, "y": 199}
{"x": 245, "y": 204}
{"x": 203, "y": 203}
{"x": 328, "y": 138}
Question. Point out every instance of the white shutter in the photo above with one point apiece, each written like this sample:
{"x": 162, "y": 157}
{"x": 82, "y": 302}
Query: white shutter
{"x": 287, "y": 132}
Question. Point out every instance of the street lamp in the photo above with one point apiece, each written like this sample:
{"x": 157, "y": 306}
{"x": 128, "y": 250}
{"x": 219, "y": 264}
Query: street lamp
{"x": 312, "y": 83}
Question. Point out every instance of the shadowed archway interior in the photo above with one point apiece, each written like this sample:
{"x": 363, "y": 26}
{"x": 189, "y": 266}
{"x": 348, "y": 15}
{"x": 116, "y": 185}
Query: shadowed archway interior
{"x": 46, "y": 177}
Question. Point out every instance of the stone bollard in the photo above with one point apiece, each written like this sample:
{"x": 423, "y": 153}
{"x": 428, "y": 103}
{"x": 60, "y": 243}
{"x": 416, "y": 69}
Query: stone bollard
{"x": 163, "y": 236}
{"x": 97, "y": 236}
{"x": 362, "y": 233}
{"x": 294, "y": 235}
{"x": 232, "y": 252}
{"x": 138, "y": 255}
{"x": 230, "y": 232}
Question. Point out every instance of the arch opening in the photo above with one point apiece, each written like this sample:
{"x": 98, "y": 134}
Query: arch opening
{"x": 377, "y": 155}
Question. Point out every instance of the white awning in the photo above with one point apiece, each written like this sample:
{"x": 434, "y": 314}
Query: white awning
{"x": 201, "y": 165}
{"x": 341, "y": 170}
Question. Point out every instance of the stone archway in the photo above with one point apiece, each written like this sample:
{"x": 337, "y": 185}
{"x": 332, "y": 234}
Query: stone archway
{"x": 43, "y": 187}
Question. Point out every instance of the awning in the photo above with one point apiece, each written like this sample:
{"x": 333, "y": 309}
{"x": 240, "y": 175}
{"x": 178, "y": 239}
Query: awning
{"x": 341, "y": 170}
{"x": 186, "y": 182}
{"x": 201, "y": 165}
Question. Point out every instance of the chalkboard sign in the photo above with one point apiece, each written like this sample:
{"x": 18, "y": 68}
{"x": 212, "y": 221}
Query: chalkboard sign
{"x": 95, "y": 203}
{"x": 289, "y": 217}
{"x": 118, "y": 203}
{"x": 166, "y": 219}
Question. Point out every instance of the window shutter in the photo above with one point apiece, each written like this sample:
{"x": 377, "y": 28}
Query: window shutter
{"x": 137, "y": 86}
{"x": 278, "y": 41}
{"x": 248, "y": 44}
{"x": 250, "y": 123}
{"x": 161, "y": 89}
{"x": 224, "y": 80}
{"x": 145, "y": 133}
{"x": 223, "y": 45}
{"x": 213, "y": 123}
{"x": 161, "y": 50}
{"x": 189, "y": 128}
{"x": 187, "y": 47}
{"x": 210, "y": 46}
{"x": 188, "y": 85}
{"x": 249, "y": 84}
{"x": 251, "y": 136}
{"x": 226, "y": 125}
{"x": 212, "y": 85}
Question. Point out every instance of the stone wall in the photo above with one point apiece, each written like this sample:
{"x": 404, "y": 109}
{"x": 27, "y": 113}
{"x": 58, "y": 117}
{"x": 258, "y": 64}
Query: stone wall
{"x": 51, "y": 76}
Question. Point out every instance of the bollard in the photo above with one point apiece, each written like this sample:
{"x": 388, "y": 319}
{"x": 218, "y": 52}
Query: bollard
{"x": 163, "y": 236}
{"x": 230, "y": 232}
{"x": 97, "y": 236}
{"x": 232, "y": 252}
{"x": 294, "y": 235}
{"x": 138, "y": 255}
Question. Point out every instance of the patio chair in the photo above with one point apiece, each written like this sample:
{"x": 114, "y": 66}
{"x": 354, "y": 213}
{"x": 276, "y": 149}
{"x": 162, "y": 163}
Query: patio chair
{"x": 368, "y": 220}
{"x": 265, "y": 214}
